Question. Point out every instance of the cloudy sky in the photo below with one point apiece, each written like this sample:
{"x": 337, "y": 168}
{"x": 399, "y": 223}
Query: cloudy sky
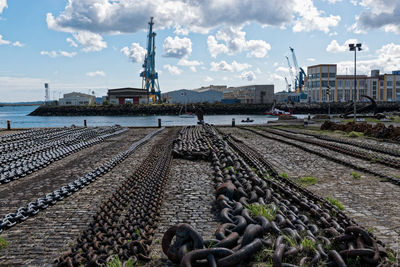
{"x": 92, "y": 45}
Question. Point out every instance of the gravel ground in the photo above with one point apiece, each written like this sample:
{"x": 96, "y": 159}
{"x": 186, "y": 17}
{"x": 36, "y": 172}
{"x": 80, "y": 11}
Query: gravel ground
{"x": 42, "y": 239}
{"x": 371, "y": 202}
{"x": 189, "y": 198}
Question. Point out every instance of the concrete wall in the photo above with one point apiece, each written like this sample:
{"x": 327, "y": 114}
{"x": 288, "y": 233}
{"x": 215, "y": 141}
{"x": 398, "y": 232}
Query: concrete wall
{"x": 77, "y": 99}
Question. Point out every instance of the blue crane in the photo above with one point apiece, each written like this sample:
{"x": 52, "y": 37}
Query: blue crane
{"x": 292, "y": 79}
{"x": 149, "y": 74}
{"x": 300, "y": 74}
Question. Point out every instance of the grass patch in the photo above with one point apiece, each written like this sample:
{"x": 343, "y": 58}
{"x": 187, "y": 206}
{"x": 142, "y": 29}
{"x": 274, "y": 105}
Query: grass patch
{"x": 355, "y": 134}
{"x": 391, "y": 257}
{"x": 356, "y": 175}
{"x": 3, "y": 243}
{"x": 267, "y": 211}
{"x": 371, "y": 230}
{"x": 291, "y": 240}
{"x": 308, "y": 180}
{"x": 284, "y": 175}
{"x": 265, "y": 256}
{"x": 245, "y": 137}
{"x": 308, "y": 245}
{"x": 395, "y": 119}
{"x": 116, "y": 262}
{"x": 335, "y": 202}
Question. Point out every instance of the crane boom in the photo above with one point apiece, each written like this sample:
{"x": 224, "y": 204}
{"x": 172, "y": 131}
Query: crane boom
{"x": 287, "y": 85}
{"x": 290, "y": 71}
{"x": 296, "y": 66}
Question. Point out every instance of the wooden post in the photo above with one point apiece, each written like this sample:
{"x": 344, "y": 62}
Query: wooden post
{"x": 159, "y": 123}
{"x": 8, "y": 125}
{"x": 233, "y": 122}
{"x": 84, "y": 123}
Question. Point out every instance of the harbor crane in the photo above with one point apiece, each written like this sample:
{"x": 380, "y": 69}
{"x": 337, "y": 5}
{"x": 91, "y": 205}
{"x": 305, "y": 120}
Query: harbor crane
{"x": 287, "y": 85}
{"x": 290, "y": 72}
{"x": 300, "y": 73}
{"x": 149, "y": 74}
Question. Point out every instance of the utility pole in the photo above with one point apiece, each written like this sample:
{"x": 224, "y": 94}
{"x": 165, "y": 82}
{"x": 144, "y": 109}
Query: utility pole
{"x": 354, "y": 47}
{"x": 328, "y": 93}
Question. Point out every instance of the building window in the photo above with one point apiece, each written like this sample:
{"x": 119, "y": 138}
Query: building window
{"x": 397, "y": 94}
{"x": 332, "y": 75}
{"x": 324, "y": 75}
{"x": 317, "y": 75}
{"x": 68, "y": 102}
{"x": 389, "y": 83}
{"x": 347, "y": 94}
{"x": 340, "y": 94}
{"x": 361, "y": 83}
{"x": 374, "y": 83}
{"x": 324, "y": 83}
{"x": 317, "y": 83}
{"x": 389, "y": 95}
{"x": 340, "y": 83}
{"x": 332, "y": 84}
{"x": 374, "y": 91}
{"x": 397, "y": 83}
{"x": 347, "y": 83}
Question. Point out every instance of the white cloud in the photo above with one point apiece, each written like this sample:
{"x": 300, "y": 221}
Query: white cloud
{"x": 208, "y": 79}
{"x": 104, "y": 16}
{"x": 18, "y": 44}
{"x": 334, "y": 1}
{"x": 4, "y": 42}
{"x": 248, "y": 75}
{"x": 54, "y": 54}
{"x": 177, "y": 47}
{"x": 387, "y": 59}
{"x": 225, "y": 78}
{"x": 310, "y": 18}
{"x": 72, "y": 42}
{"x": 335, "y": 47}
{"x": 235, "y": 42}
{"x": 215, "y": 48}
{"x": 136, "y": 53}
{"x": 96, "y": 73}
{"x": 191, "y": 64}
{"x": 173, "y": 70}
{"x": 91, "y": 42}
{"x": 276, "y": 77}
{"x": 311, "y": 59}
{"x": 224, "y": 66}
{"x": 3, "y": 5}
{"x": 181, "y": 31}
{"x": 384, "y": 14}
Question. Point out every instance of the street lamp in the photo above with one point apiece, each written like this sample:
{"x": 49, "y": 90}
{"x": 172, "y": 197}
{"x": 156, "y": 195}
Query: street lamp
{"x": 354, "y": 47}
{"x": 328, "y": 94}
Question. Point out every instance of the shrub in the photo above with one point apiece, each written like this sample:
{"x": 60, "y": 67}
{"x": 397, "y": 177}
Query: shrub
{"x": 335, "y": 202}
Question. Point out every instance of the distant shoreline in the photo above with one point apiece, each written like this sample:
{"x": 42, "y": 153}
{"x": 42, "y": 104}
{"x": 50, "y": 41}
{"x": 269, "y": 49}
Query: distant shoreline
{"x": 209, "y": 109}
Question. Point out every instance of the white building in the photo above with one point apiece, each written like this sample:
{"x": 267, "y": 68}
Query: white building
{"x": 185, "y": 96}
{"x": 77, "y": 99}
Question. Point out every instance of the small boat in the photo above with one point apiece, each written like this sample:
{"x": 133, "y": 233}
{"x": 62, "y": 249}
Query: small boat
{"x": 277, "y": 112}
{"x": 247, "y": 120}
{"x": 186, "y": 114}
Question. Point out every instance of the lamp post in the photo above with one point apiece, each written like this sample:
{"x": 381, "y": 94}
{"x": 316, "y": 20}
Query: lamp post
{"x": 328, "y": 94}
{"x": 354, "y": 47}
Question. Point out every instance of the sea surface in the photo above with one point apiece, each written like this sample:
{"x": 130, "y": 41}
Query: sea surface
{"x": 18, "y": 115}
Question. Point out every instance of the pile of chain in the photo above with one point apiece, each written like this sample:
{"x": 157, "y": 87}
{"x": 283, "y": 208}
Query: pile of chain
{"x": 22, "y": 154}
{"x": 347, "y": 141}
{"x": 393, "y": 180}
{"x": 33, "y": 208}
{"x": 261, "y": 212}
{"x": 190, "y": 144}
{"x": 125, "y": 223}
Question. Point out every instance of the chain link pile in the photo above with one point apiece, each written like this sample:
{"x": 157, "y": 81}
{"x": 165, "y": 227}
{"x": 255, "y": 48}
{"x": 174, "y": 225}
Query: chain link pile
{"x": 125, "y": 223}
{"x": 268, "y": 216}
{"x": 29, "y": 151}
{"x": 33, "y": 208}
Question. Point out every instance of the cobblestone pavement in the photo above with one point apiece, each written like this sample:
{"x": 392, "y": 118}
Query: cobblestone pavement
{"x": 43, "y": 238}
{"x": 59, "y": 173}
{"x": 371, "y": 202}
{"x": 189, "y": 198}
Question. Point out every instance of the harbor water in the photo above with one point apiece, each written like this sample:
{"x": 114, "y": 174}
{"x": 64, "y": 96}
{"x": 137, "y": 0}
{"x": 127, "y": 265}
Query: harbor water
{"x": 18, "y": 115}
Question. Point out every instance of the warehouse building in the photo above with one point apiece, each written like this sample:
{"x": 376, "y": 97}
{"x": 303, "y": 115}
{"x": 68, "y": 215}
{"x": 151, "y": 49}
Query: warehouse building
{"x": 185, "y": 96}
{"x": 77, "y": 99}
{"x": 120, "y": 96}
{"x": 251, "y": 94}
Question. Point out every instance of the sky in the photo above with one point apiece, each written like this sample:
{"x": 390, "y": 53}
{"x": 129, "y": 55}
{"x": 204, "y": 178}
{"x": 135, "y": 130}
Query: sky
{"x": 92, "y": 45}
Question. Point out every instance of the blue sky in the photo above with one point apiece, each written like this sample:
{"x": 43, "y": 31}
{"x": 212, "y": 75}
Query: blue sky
{"x": 92, "y": 45}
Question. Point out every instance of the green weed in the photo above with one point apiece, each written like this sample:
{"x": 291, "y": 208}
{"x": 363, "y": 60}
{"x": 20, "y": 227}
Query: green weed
{"x": 335, "y": 202}
{"x": 3, "y": 243}
{"x": 308, "y": 180}
{"x": 291, "y": 240}
{"x": 284, "y": 175}
{"x": 371, "y": 229}
{"x": 116, "y": 262}
{"x": 245, "y": 137}
{"x": 264, "y": 255}
{"x": 355, "y": 134}
{"x": 267, "y": 211}
{"x": 356, "y": 175}
{"x": 308, "y": 245}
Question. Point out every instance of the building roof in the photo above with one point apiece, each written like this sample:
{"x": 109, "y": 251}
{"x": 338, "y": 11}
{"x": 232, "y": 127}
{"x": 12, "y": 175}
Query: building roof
{"x": 77, "y": 94}
{"x": 322, "y": 65}
{"x": 350, "y": 76}
{"x": 126, "y": 92}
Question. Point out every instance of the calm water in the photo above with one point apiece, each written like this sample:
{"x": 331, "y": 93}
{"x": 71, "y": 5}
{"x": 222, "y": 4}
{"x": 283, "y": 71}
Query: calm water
{"x": 19, "y": 119}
